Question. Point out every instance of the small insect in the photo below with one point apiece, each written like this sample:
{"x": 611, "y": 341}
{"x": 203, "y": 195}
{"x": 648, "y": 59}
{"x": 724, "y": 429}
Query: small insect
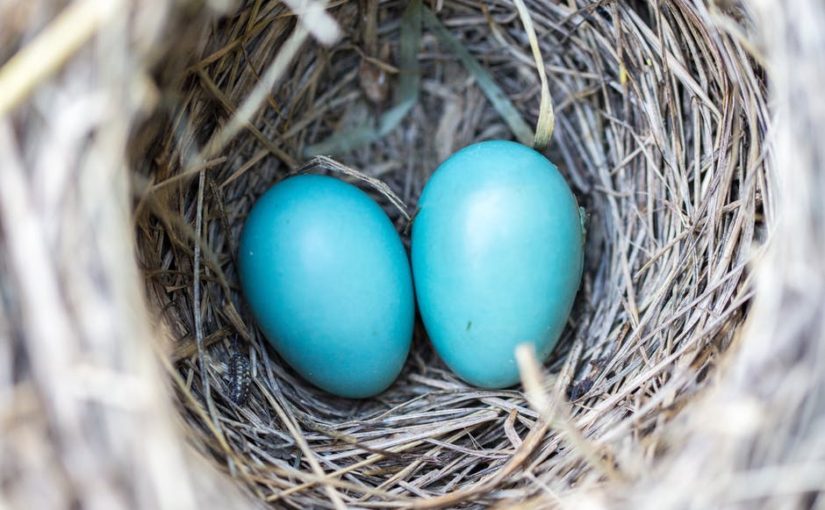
{"x": 239, "y": 378}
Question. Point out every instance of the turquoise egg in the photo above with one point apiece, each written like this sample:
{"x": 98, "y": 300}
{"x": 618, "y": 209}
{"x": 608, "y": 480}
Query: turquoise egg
{"x": 328, "y": 281}
{"x": 497, "y": 255}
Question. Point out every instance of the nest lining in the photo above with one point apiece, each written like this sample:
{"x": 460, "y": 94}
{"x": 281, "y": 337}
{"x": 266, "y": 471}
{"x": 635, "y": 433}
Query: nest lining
{"x": 660, "y": 123}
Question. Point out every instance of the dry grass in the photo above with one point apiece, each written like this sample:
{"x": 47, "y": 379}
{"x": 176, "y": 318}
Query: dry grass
{"x": 661, "y": 125}
{"x": 669, "y": 175}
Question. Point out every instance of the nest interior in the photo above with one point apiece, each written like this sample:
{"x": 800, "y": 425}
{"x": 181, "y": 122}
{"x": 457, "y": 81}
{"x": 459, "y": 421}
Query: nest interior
{"x": 660, "y": 124}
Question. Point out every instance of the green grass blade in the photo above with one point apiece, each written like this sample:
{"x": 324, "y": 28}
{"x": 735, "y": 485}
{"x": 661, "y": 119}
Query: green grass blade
{"x": 406, "y": 95}
{"x": 485, "y": 81}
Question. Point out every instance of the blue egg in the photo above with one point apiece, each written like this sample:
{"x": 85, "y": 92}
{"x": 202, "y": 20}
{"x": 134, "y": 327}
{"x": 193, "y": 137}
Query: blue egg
{"x": 328, "y": 281}
{"x": 497, "y": 255}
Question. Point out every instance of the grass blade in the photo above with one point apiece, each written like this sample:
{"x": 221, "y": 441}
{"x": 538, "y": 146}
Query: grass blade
{"x": 405, "y": 98}
{"x": 485, "y": 81}
{"x": 547, "y": 118}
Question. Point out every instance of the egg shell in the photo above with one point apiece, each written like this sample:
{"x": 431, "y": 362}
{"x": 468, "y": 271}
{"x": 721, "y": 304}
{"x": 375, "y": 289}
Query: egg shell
{"x": 328, "y": 281}
{"x": 497, "y": 256}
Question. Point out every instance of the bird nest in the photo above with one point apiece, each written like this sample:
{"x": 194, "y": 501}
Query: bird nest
{"x": 659, "y": 124}
{"x": 660, "y": 128}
